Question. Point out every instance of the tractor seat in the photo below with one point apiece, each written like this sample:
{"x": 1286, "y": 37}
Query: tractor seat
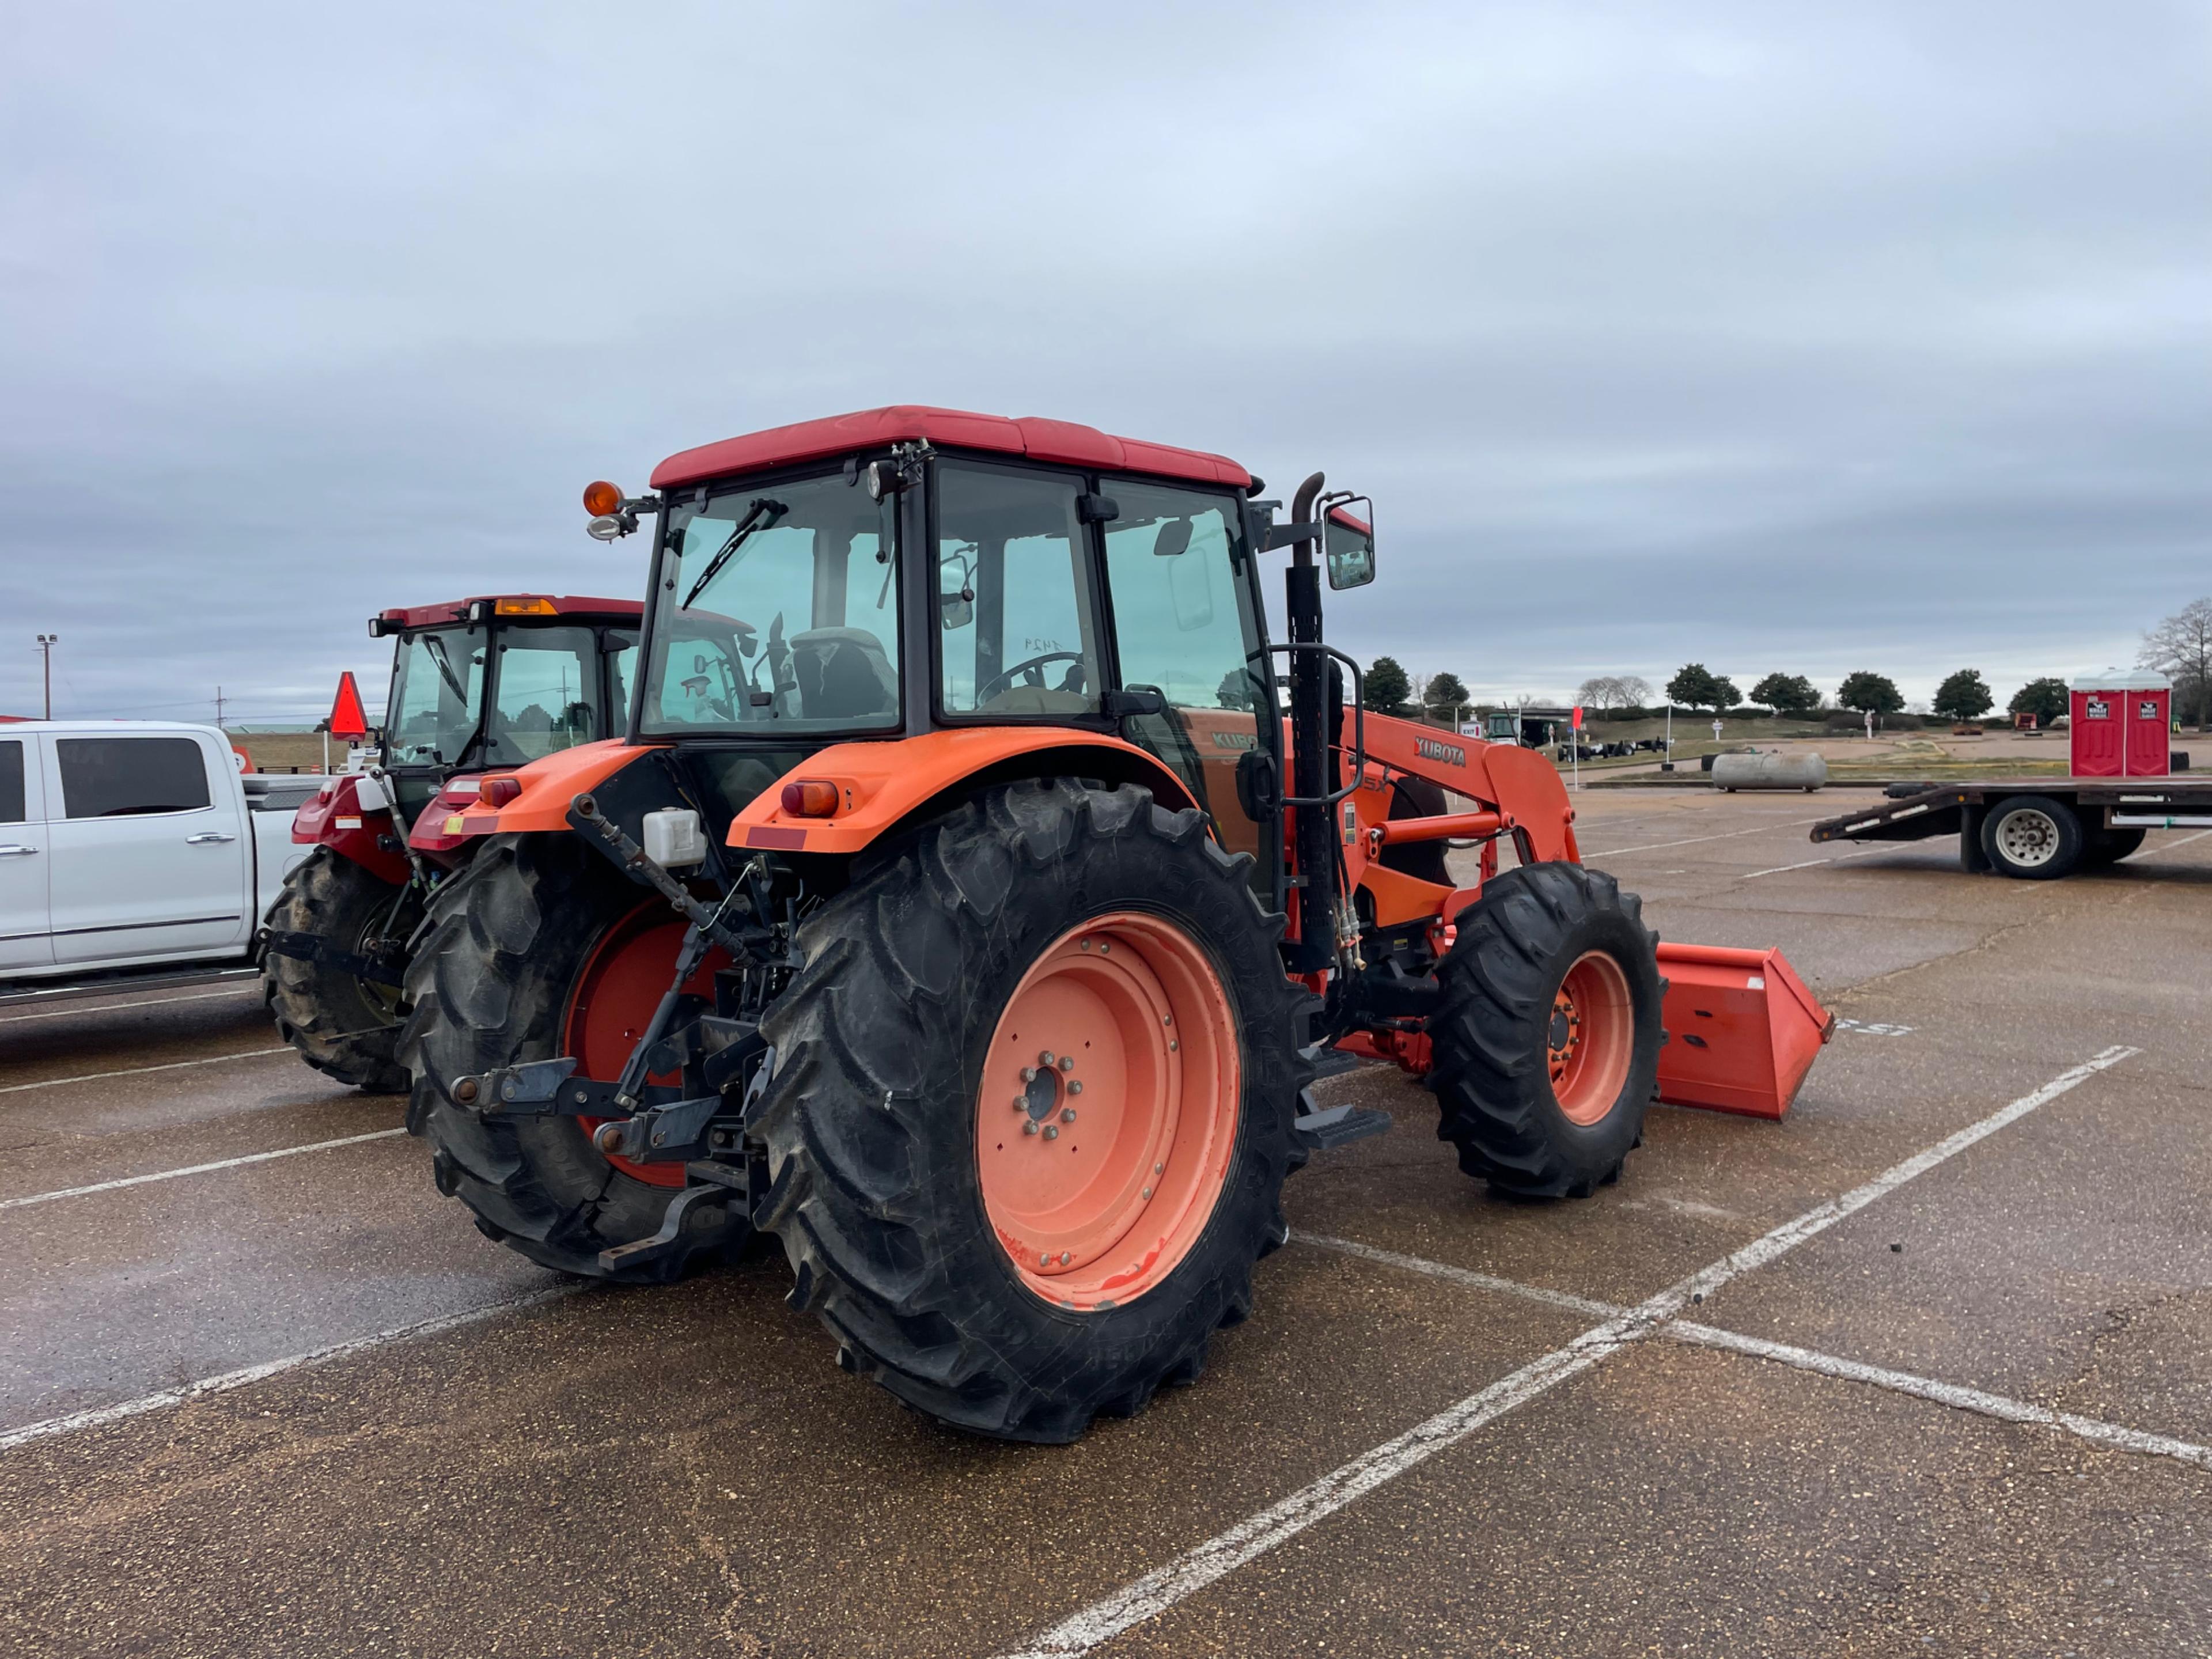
{"x": 843, "y": 674}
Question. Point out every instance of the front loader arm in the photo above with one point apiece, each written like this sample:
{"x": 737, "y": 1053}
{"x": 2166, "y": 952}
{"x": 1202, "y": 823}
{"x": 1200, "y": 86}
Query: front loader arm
{"x": 1519, "y": 784}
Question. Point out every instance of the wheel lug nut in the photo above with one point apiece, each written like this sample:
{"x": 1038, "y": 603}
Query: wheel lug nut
{"x": 1051, "y": 1133}
{"x": 1021, "y": 1103}
{"x": 1075, "y": 1088}
{"x": 1067, "y": 1114}
{"x": 1067, "y": 1062}
{"x": 1044, "y": 1058}
{"x": 1030, "y": 1127}
{"x": 1029, "y": 1074}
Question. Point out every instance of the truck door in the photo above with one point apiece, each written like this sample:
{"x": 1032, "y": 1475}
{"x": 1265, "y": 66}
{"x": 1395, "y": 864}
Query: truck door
{"x": 145, "y": 860}
{"x": 1184, "y": 625}
{"x": 25, "y": 936}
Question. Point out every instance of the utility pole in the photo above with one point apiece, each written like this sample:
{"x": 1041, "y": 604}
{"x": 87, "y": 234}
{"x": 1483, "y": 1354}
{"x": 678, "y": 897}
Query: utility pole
{"x": 46, "y": 644}
{"x": 218, "y": 709}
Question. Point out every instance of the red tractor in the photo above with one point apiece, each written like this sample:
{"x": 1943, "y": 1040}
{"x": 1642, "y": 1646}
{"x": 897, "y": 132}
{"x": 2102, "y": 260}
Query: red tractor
{"x": 493, "y": 681}
{"x": 977, "y": 926}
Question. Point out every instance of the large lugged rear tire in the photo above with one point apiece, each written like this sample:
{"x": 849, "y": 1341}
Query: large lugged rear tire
{"x": 927, "y": 1124}
{"x": 1546, "y": 1040}
{"x": 340, "y": 1024}
{"x": 511, "y": 941}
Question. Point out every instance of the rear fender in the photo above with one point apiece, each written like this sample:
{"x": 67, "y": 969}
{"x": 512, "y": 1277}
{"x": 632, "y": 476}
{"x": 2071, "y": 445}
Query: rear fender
{"x": 548, "y": 787}
{"x": 881, "y": 787}
{"x": 336, "y": 817}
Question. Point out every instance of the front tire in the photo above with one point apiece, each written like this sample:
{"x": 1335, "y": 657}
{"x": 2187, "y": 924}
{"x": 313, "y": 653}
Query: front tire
{"x": 342, "y": 1026}
{"x": 1546, "y": 1039}
{"x": 915, "y": 1167}
{"x": 517, "y": 944}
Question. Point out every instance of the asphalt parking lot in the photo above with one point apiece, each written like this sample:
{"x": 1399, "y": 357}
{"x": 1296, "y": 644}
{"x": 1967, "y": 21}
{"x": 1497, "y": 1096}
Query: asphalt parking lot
{"x": 1925, "y": 1367}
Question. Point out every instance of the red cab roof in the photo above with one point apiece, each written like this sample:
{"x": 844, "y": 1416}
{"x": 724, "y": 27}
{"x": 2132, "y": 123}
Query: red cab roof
{"x": 512, "y": 607}
{"x": 1059, "y": 442}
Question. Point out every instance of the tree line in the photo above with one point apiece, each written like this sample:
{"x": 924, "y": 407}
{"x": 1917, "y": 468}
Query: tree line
{"x": 2180, "y": 648}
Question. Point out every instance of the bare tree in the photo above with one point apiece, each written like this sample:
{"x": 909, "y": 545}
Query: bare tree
{"x": 2182, "y": 646}
{"x": 1613, "y": 692}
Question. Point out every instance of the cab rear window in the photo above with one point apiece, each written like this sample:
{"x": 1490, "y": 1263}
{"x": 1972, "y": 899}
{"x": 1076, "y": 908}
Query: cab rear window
{"x": 11, "y": 783}
{"x": 123, "y": 777}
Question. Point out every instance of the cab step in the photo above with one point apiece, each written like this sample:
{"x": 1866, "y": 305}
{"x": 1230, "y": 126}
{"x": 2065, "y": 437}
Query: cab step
{"x": 1339, "y": 1126}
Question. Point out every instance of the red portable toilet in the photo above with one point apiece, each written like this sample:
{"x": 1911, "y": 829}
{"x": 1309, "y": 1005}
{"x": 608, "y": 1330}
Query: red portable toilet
{"x": 2121, "y": 724}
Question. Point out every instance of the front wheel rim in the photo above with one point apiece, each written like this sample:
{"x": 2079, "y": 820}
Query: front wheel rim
{"x": 1591, "y": 1038}
{"x": 1120, "y": 1039}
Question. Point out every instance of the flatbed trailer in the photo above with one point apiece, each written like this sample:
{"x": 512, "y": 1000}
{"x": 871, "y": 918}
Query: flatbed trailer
{"x": 2033, "y": 828}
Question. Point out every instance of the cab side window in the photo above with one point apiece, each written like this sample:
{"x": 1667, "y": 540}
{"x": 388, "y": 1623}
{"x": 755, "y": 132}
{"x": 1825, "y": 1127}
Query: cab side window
{"x": 12, "y": 797}
{"x": 126, "y": 777}
{"x": 1015, "y": 632}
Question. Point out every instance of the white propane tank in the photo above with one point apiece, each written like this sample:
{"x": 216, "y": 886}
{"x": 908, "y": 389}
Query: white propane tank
{"x": 1769, "y": 771}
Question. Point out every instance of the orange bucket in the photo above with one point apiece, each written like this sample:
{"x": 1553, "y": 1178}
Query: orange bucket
{"x": 1742, "y": 1029}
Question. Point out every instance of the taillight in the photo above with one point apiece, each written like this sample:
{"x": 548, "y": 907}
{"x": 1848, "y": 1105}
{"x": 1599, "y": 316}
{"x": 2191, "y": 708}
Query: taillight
{"x": 809, "y": 798}
{"x": 498, "y": 791}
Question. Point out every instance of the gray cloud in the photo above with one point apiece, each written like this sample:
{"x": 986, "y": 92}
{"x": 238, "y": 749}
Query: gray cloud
{"x": 1813, "y": 337}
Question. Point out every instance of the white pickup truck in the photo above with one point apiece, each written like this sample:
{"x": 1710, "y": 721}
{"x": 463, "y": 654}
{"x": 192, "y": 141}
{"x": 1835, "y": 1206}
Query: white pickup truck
{"x": 133, "y": 845}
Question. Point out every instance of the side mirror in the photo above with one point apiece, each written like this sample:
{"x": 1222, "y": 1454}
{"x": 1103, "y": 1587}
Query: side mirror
{"x": 1350, "y": 543}
{"x": 956, "y": 597}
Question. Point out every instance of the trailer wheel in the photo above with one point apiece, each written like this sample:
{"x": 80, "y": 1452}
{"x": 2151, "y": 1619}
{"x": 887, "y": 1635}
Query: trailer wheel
{"x": 1032, "y": 1108}
{"x": 541, "y": 948}
{"x": 1546, "y": 1040}
{"x": 2033, "y": 838}
{"x": 2108, "y": 846}
{"x": 342, "y": 1026}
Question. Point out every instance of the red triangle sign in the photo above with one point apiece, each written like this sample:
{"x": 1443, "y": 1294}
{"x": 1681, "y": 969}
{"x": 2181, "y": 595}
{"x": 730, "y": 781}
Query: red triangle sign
{"x": 347, "y": 719}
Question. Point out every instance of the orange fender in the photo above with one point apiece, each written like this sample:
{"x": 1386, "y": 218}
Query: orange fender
{"x": 548, "y": 786}
{"x": 881, "y": 782}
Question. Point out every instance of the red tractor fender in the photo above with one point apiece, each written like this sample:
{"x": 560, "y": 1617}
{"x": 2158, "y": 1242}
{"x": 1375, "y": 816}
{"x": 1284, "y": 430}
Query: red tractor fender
{"x": 547, "y": 786}
{"x": 880, "y": 785}
{"x": 335, "y": 816}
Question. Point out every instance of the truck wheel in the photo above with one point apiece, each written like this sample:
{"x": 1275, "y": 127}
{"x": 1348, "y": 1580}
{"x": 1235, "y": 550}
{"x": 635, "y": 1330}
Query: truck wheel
{"x": 2033, "y": 838}
{"x": 1032, "y": 1108}
{"x": 541, "y": 949}
{"x": 347, "y": 1027}
{"x": 1547, "y": 1038}
{"x": 2108, "y": 847}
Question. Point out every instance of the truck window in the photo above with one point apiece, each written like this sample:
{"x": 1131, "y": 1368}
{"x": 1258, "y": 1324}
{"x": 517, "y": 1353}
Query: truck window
{"x": 125, "y": 777}
{"x": 11, "y": 782}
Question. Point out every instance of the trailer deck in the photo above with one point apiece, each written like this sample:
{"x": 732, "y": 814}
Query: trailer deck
{"x": 2035, "y": 828}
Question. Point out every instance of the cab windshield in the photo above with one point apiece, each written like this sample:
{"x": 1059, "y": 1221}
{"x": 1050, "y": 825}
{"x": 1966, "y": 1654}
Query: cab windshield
{"x": 777, "y": 613}
{"x": 547, "y": 690}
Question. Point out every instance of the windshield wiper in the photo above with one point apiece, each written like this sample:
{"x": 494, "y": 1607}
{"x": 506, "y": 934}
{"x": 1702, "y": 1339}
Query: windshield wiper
{"x": 760, "y": 514}
{"x": 436, "y": 647}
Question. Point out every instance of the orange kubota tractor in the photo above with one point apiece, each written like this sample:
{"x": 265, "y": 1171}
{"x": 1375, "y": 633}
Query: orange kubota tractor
{"x": 962, "y": 910}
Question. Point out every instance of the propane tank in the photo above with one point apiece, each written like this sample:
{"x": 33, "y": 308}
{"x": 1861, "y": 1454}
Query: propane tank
{"x": 1769, "y": 771}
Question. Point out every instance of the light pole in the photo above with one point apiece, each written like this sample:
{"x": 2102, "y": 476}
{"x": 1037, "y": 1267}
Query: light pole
{"x": 46, "y": 644}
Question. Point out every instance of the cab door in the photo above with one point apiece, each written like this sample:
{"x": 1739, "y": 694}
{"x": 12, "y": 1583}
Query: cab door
{"x": 1184, "y": 624}
{"x": 25, "y": 935}
{"x": 145, "y": 860}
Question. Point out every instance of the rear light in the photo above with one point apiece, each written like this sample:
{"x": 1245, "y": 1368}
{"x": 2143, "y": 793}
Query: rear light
{"x": 498, "y": 791}
{"x": 810, "y": 798}
{"x": 525, "y": 608}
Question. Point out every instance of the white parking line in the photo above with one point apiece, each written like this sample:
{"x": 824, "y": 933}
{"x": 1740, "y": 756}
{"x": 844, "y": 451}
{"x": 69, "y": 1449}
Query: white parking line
{"x": 118, "y": 1007}
{"x": 139, "y": 1070}
{"x": 1691, "y": 840}
{"x": 196, "y": 1169}
{"x": 2168, "y": 847}
{"x": 1804, "y": 1359}
{"x": 1146, "y": 1597}
{"x": 1864, "y": 852}
{"x": 239, "y": 1379}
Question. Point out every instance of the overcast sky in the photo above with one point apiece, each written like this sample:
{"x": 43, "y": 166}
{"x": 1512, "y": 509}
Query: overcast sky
{"x": 1810, "y": 337}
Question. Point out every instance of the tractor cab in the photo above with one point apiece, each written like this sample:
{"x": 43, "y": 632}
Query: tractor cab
{"x": 500, "y": 681}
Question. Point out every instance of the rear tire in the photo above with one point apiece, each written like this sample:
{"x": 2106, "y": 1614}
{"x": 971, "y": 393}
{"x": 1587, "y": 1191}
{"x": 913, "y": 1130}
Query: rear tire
{"x": 878, "y": 1140}
{"x": 2033, "y": 838}
{"x": 509, "y": 939}
{"x": 340, "y": 1024}
{"x": 1544, "y": 1097}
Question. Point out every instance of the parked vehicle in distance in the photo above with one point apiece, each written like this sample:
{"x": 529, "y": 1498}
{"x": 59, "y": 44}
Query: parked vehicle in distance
{"x": 493, "y": 680}
{"x": 133, "y": 846}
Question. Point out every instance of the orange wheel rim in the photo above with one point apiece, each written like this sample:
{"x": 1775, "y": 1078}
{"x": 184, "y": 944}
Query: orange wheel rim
{"x": 1591, "y": 1036}
{"x": 613, "y": 1000}
{"x": 1106, "y": 1115}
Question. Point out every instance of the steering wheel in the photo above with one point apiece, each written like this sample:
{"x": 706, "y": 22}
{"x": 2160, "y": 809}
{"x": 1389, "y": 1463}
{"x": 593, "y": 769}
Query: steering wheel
{"x": 1034, "y": 667}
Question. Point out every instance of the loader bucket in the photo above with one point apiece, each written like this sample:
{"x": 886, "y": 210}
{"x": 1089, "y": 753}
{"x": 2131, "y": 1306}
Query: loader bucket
{"x": 1742, "y": 1029}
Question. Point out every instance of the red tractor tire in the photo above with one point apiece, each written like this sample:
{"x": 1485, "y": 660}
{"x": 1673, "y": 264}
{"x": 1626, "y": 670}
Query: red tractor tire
{"x": 996, "y": 1247}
